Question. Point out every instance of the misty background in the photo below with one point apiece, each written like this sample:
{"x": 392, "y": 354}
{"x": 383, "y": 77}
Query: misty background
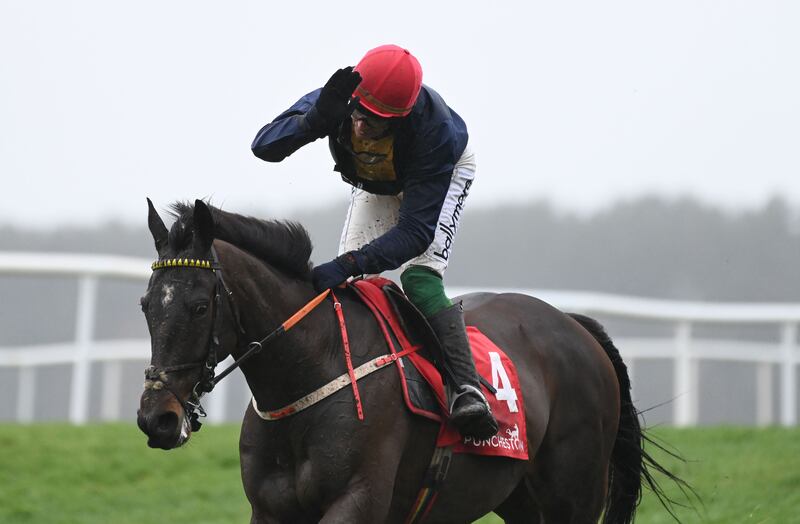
{"x": 580, "y": 103}
{"x": 651, "y": 247}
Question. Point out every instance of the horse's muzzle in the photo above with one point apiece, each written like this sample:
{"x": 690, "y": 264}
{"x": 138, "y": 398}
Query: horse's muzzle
{"x": 164, "y": 423}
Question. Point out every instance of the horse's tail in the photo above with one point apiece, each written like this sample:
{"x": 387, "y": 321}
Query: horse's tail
{"x": 630, "y": 463}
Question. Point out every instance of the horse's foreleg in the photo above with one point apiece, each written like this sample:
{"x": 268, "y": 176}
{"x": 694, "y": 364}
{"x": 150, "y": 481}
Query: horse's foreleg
{"x": 363, "y": 502}
{"x": 256, "y": 518}
{"x": 367, "y": 496}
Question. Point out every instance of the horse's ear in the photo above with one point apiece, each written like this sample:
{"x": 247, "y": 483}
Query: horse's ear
{"x": 203, "y": 226}
{"x": 157, "y": 228}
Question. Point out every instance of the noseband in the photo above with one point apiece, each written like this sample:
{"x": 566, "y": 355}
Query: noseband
{"x": 158, "y": 378}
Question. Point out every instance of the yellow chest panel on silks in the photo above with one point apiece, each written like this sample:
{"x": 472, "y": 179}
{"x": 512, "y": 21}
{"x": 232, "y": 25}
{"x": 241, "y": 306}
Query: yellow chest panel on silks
{"x": 374, "y": 159}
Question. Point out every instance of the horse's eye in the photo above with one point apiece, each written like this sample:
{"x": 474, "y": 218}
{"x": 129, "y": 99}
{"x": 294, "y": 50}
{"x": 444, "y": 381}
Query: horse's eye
{"x": 198, "y": 310}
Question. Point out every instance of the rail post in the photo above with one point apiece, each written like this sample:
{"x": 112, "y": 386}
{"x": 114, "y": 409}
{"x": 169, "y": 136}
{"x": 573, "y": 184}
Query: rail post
{"x": 81, "y": 364}
{"x": 789, "y": 374}
{"x": 26, "y": 394}
{"x": 685, "y": 383}
{"x": 764, "y": 408}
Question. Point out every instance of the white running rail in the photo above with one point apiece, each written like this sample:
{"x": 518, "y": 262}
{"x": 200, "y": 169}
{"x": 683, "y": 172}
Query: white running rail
{"x": 685, "y": 351}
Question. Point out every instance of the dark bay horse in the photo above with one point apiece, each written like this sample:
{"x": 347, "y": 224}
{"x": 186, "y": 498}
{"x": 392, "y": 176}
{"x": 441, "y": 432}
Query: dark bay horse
{"x": 324, "y": 464}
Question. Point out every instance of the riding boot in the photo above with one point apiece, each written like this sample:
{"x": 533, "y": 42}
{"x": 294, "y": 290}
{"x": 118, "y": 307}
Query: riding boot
{"x": 469, "y": 410}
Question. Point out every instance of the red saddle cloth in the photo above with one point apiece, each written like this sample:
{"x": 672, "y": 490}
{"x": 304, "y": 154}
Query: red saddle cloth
{"x": 491, "y": 362}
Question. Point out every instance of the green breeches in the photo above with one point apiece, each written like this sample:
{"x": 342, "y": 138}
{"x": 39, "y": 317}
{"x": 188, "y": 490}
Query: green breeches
{"x": 425, "y": 289}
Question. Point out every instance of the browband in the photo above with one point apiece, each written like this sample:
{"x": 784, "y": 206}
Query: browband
{"x": 183, "y": 262}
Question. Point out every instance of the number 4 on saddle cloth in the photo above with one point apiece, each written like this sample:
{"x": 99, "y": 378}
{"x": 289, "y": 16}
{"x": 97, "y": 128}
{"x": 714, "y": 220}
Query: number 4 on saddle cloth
{"x": 423, "y": 388}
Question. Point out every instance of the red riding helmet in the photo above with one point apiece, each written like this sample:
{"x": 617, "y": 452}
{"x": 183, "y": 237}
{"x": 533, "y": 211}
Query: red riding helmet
{"x": 391, "y": 80}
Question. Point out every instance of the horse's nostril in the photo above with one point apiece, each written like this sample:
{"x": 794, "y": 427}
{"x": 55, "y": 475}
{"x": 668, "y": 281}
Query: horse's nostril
{"x": 166, "y": 423}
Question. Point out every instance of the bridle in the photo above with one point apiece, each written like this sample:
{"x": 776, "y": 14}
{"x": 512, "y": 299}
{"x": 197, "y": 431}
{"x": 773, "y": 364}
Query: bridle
{"x": 158, "y": 378}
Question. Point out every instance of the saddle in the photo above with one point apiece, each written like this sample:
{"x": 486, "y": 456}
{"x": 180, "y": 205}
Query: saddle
{"x": 421, "y": 372}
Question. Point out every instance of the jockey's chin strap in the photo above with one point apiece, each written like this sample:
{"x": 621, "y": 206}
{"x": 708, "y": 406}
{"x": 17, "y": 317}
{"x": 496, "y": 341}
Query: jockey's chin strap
{"x": 157, "y": 378}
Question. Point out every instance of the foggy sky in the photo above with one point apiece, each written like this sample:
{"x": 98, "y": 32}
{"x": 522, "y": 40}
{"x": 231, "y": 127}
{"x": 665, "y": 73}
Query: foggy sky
{"x": 582, "y": 103}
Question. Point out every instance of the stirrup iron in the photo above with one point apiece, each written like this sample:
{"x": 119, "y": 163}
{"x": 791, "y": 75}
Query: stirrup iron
{"x": 466, "y": 389}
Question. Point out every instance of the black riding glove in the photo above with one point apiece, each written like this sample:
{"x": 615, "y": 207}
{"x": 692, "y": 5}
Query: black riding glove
{"x": 333, "y": 104}
{"x": 333, "y": 273}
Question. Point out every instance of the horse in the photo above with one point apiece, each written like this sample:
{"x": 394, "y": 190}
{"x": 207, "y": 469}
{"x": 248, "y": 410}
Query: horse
{"x": 224, "y": 280}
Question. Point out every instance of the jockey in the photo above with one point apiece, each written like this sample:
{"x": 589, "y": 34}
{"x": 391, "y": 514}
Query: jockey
{"x": 405, "y": 153}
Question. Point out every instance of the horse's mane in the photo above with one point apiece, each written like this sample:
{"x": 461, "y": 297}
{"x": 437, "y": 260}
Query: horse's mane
{"x": 282, "y": 244}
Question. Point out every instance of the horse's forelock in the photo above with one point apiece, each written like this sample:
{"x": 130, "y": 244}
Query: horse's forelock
{"x": 182, "y": 231}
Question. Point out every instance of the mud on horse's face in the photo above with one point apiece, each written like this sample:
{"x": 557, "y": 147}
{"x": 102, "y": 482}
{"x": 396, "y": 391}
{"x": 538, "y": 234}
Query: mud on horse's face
{"x": 178, "y": 306}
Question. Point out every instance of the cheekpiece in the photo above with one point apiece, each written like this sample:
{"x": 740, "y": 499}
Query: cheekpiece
{"x": 182, "y": 262}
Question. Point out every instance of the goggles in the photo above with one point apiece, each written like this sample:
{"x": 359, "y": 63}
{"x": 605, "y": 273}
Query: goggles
{"x": 371, "y": 121}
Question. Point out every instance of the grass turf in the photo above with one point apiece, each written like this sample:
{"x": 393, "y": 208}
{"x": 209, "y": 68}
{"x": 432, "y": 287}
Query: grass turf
{"x": 52, "y": 473}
